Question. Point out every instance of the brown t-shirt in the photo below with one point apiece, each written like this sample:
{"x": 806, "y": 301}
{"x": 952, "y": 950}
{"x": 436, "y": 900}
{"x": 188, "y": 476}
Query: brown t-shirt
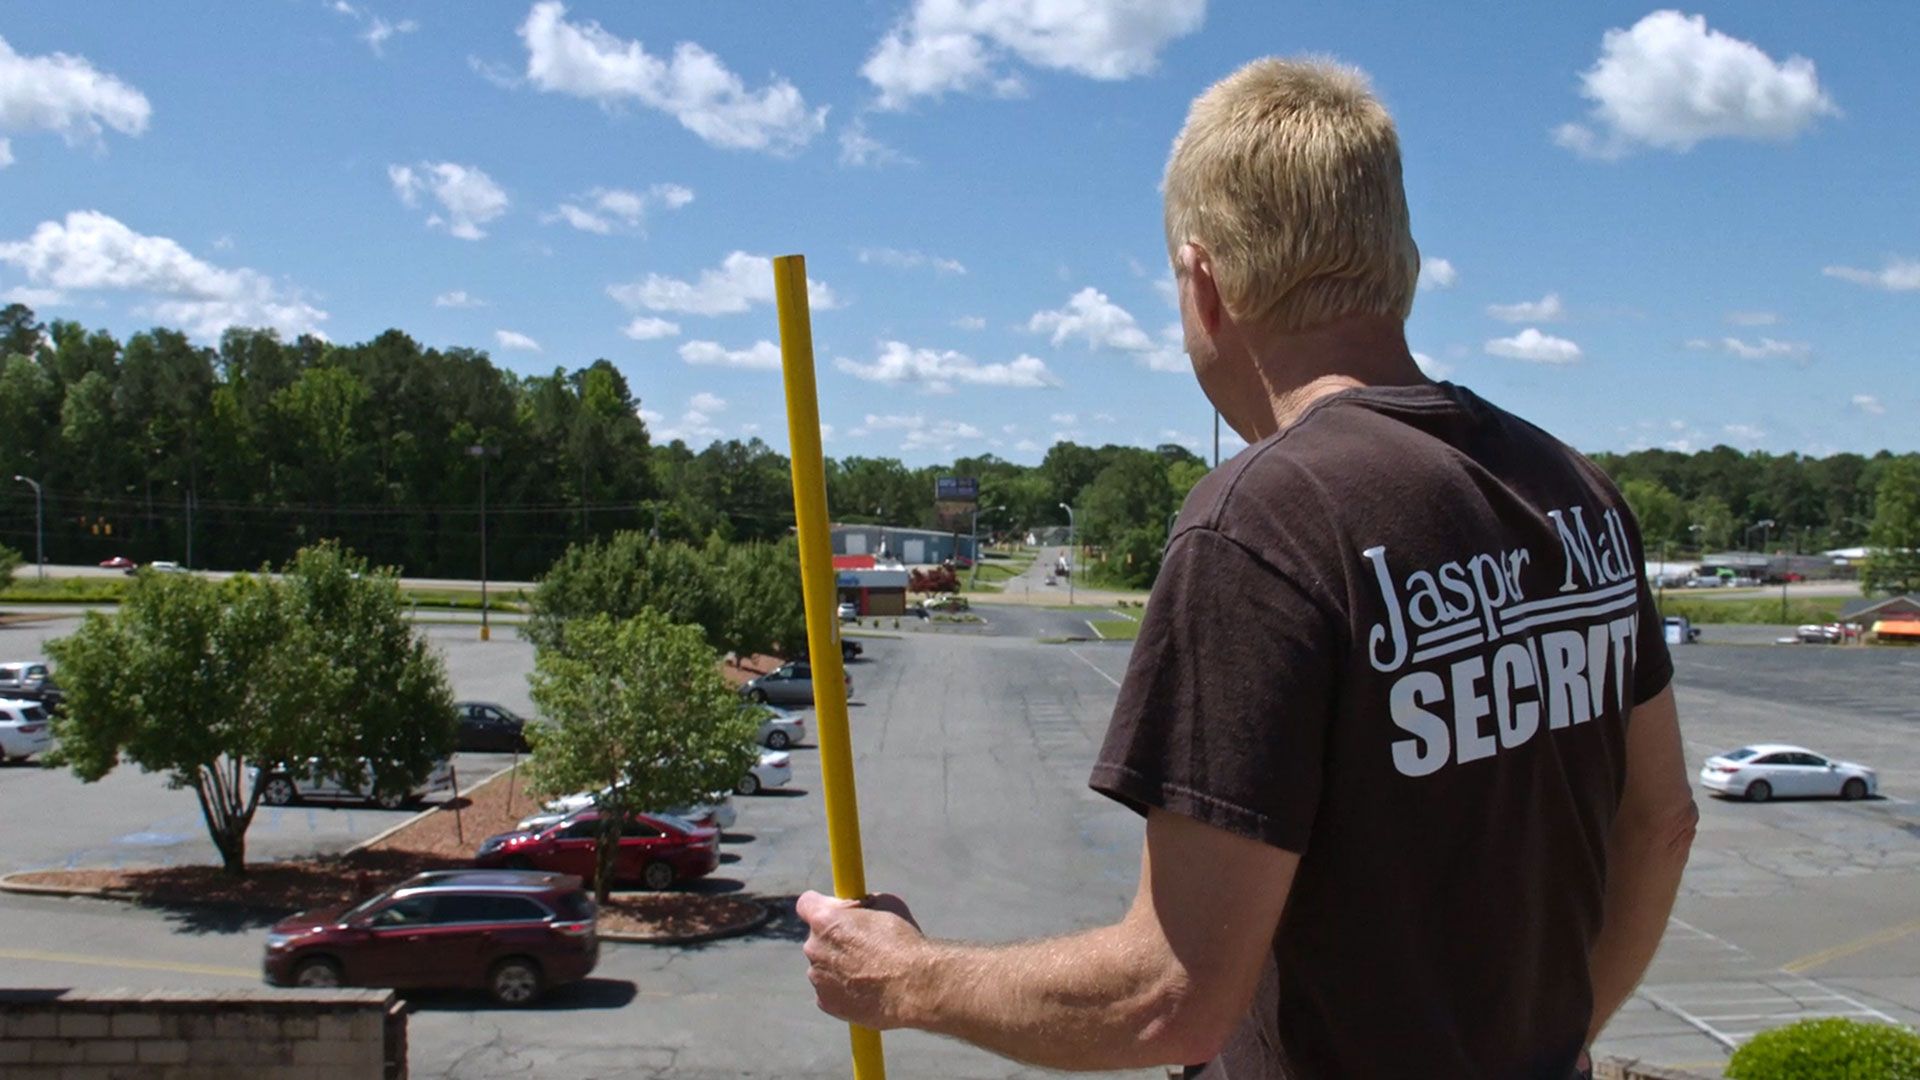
{"x": 1401, "y": 638}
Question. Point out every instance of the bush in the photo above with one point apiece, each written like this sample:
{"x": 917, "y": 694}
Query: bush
{"x": 1829, "y": 1049}
{"x": 9, "y": 562}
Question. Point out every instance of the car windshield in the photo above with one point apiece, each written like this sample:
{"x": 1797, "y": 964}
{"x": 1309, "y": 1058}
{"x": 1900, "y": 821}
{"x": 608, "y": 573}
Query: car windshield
{"x": 678, "y": 824}
{"x": 1741, "y": 754}
{"x": 364, "y": 906}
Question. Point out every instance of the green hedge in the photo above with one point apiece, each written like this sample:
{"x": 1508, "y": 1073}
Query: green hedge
{"x": 1756, "y": 610}
{"x": 1829, "y": 1049}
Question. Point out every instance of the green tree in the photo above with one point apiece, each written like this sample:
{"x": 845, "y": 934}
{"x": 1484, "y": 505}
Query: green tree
{"x": 765, "y": 605}
{"x": 1131, "y": 493}
{"x": 622, "y": 576}
{"x": 1893, "y": 543}
{"x": 638, "y": 713}
{"x": 1662, "y": 516}
{"x": 10, "y": 561}
{"x": 1715, "y": 519}
{"x": 205, "y": 682}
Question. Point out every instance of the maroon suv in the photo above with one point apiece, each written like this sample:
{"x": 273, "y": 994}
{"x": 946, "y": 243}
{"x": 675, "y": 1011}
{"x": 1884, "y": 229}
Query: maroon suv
{"x": 656, "y": 850}
{"x": 511, "y": 933}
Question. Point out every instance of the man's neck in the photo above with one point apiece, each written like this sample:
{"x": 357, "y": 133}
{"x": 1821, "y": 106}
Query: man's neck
{"x": 1298, "y": 369}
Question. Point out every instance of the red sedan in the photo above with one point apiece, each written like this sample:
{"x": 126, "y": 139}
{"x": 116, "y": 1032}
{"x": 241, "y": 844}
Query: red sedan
{"x": 118, "y": 562}
{"x": 656, "y": 850}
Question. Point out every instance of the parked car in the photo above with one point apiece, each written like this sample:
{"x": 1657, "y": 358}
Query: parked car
{"x": 773, "y": 769}
{"x": 1760, "y": 772}
{"x": 118, "y": 562}
{"x": 1705, "y": 581}
{"x": 1820, "y": 634}
{"x": 779, "y": 728}
{"x": 946, "y": 602}
{"x": 485, "y": 726}
{"x": 789, "y": 684}
{"x": 718, "y": 814}
{"x": 513, "y": 934}
{"x": 25, "y": 729}
{"x": 164, "y": 566}
{"x": 656, "y": 850}
{"x": 849, "y": 611}
{"x": 849, "y": 650}
{"x": 284, "y": 785}
{"x": 30, "y": 680}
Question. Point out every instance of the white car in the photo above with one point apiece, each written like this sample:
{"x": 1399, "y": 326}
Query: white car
{"x": 720, "y": 813}
{"x": 848, "y": 612}
{"x": 25, "y": 729}
{"x": 779, "y": 728}
{"x": 1760, "y": 772}
{"x": 773, "y": 770}
{"x": 284, "y": 785}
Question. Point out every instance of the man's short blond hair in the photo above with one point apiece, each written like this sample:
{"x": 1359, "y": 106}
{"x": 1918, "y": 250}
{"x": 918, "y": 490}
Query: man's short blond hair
{"x": 1288, "y": 173}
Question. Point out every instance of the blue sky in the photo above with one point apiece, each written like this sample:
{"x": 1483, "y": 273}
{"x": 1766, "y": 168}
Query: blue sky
{"x": 1641, "y": 227}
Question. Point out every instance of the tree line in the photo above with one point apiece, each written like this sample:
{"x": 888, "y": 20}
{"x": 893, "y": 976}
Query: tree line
{"x": 239, "y": 454}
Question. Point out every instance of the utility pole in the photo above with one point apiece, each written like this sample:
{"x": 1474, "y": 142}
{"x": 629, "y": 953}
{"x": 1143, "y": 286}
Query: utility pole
{"x": 1073, "y": 556}
{"x": 483, "y": 453}
{"x": 39, "y": 529}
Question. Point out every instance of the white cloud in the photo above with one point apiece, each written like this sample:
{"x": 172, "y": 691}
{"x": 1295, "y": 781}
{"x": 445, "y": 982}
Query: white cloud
{"x": 921, "y": 433}
{"x": 694, "y": 427}
{"x": 604, "y": 210}
{"x": 468, "y": 195}
{"x": 65, "y": 95}
{"x": 970, "y": 322}
{"x": 1027, "y": 446}
{"x": 1763, "y": 349}
{"x": 1091, "y": 317}
{"x": 32, "y": 297}
{"x": 91, "y": 251}
{"x": 1104, "y": 418}
{"x": 1433, "y": 369}
{"x": 1868, "y": 404}
{"x": 1744, "y": 433}
{"x": 458, "y": 298}
{"x": 1899, "y": 275}
{"x": 648, "y": 328}
{"x": 707, "y": 403}
{"x": 1437, "y": 274}
{"x": 379, "y": 30}
{"x": 1546, "y": 309}
{"x": 500, "y": 75}
{"x": 942, "y": 46}
{"x": 693, "y": 86}
{"x": 760, "y": 356}
{"x": 1752, "y": 318}
{"x": 860, "y": 150}
{"x": 1536, "y": 347}
{"x": 510, "y": 339}
{"x": 937, "y": 371}
{"x": 1669, "y": 82}
{"x": 740, "y": 281}
{"x": 1065, "y": 418}
{"x": 910, "y": 260}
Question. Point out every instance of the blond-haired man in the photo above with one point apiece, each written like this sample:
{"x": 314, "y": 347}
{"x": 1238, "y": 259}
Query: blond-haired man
{"x": 1398, "y": 822}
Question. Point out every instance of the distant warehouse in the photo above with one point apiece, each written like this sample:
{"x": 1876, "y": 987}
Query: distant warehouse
{"x": 910, "y": 547}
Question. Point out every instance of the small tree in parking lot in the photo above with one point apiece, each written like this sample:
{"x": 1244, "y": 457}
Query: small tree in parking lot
{"x": 206, "y": 682}
{"x": 9, "y": 562}
{"x": 638, "y": 713}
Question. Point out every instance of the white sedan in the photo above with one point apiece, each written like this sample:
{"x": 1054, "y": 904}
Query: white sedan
{"x": 773, "y": 770}
{"x": 1760, "y": 772}
{"x": 720, "y": 813}
{"x": 779, "y": 728}
{"x": 25, "y": 730}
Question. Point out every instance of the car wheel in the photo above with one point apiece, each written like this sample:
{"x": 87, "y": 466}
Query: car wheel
{"x": 749, "y": 785}
{"x": 657, "y": 876}
{"x": 515, "y": 981}
{"x": 1759, "y": 791}
{"x": 390, "y": 800}
{"x": 279, "y": 791}
{"x": 318, "y": 972}
{"x": 757, "y": 696}
{"x": 778, "y": 740}
{"x": 1855, "y": 789}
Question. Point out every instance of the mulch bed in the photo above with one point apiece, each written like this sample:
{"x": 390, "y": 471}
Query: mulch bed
{"x": 442, "y": 840}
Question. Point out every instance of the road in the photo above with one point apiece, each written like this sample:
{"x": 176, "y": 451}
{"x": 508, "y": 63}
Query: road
{"x": 972, "y": 751}
{"x": 69, "y": 571}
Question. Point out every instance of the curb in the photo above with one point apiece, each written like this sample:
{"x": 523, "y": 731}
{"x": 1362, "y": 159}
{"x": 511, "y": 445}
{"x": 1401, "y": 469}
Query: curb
{"x": 24, "y": 888}
{"x": 737, "y": 930}
{"x": 422, "y": 815}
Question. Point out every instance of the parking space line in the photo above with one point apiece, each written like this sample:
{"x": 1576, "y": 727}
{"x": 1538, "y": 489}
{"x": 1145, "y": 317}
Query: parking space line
{"x": 128, "y": 963}
{"x": 1848, "y": 948}
{"x": 1096, "y": 667}
{"x": 1708, "y": 1029}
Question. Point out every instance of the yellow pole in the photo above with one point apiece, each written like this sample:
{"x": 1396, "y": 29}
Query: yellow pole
{"x": 823, "y": 623}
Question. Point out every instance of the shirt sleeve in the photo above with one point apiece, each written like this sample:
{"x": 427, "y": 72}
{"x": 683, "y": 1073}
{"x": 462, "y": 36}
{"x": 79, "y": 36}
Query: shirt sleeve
{"x": 1652, "y": 662}
{"x": 1224, "y": 712}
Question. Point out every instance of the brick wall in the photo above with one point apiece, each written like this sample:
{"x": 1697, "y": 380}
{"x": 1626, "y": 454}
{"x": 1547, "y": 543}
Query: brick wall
{"x": 185, "y": 1035}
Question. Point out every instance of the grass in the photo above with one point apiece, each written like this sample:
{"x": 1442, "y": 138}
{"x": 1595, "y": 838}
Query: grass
{"x": 992, "y": 574}
{"x": 1115, "y": 629}
{"x": 1757, "y": 610}
{"x": 111, "y": 590}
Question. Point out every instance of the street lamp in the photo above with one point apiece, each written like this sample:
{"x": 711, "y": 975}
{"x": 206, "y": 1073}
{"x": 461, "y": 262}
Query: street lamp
{"x": 1072, "y": 555}
{"x": 39, "y": 533}
{"x": 1764, "y": 525}
{"x": 483, "y": 453}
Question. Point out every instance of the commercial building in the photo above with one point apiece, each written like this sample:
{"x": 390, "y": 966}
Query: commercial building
{"x": 871, "y": 588}
{"x": 910, "y": 547}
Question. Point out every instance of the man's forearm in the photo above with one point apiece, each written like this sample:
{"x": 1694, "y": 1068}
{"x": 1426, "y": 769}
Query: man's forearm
{"x": 1644, "y": 866}
{"x": 1094, "y": 1000}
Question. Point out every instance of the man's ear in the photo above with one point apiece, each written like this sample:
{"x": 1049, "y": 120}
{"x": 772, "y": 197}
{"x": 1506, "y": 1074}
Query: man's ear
{"x": 1197, "y": 275}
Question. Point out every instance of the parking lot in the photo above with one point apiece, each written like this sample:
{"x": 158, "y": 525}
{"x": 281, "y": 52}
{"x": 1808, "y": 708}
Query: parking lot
{"x": 972, "y": 752}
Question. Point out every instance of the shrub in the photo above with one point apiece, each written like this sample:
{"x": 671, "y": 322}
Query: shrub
{"x": 1829, "y": 1049}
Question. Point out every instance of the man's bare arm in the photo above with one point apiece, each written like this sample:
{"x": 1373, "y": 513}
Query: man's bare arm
{"x": 1164, "y": 985}
{"x": 1646, "y": 853}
